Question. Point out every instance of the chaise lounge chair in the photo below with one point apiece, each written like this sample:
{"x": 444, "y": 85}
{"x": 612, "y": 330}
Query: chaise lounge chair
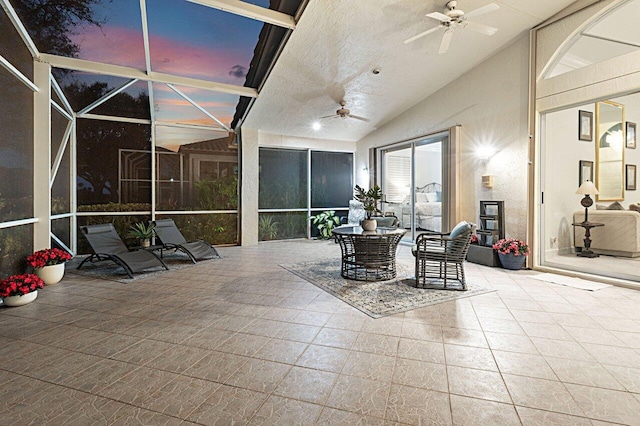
{"x": 172, "y": 238}
{"x": 107, "y": 245}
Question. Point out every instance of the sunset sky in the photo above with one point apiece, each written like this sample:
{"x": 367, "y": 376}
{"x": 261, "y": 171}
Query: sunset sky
{"x": 186, "y": 39}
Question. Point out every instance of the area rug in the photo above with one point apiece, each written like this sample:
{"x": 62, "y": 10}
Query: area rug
{"x": 381, "y": 298}
{"x": 108, "y": 270}
{"x": 574, "y": 282}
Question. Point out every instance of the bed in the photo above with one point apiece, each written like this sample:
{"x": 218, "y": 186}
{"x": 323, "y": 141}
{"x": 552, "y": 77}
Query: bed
{"x": 428, "y": 208}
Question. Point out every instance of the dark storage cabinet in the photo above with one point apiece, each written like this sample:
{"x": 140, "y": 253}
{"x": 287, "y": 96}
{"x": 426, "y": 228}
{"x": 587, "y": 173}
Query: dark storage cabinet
{"x": 490, "y": 230}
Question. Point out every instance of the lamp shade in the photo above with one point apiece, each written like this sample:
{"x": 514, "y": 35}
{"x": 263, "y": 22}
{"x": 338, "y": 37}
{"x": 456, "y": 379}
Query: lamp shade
{"x": 587, "y": 188}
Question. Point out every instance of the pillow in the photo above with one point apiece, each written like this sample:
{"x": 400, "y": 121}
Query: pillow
{"x": 634, "y": 207}
{"x": 432, "y": 197}
{"x": 601, "y": 207}
{"x": 615, "y": 206}
{"x": 459, "y": 229}
{"x": 356, "y": 212}
{"x": 421, "y": 197}
{"x": 439, "y": 194}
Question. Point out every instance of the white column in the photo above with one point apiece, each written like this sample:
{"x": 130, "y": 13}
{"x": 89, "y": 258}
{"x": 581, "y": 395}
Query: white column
{"x": 249, "y": 189}
{"x": 41, "y": 156}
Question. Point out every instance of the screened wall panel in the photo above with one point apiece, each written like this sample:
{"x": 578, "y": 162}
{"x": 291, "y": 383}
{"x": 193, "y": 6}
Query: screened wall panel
{"x": 16, "y": 243}
{"x": 113, "y": 164}
{"x": 61, "y": 228}
{"x": 61, "y": 189}
{"x": 282, "y": 226}
{"x": 12, "y": 47}
{"x": 283, "y": 179}
{"x": 331, "y": 179}
{"x": 16, "y": 149}
{"x": 59, "y": 125}
{"x": 219, "y": 228}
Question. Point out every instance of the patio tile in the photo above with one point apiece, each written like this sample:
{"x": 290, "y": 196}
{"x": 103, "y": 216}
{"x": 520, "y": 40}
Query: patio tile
{"x": 421, "y": 350}
{"x": 467, "y": 356}
{"x": 336, "y": 338}
{"x": 216, "y": 366}
{"x": 279, "y": 411}
{"x": 258, "y": 375}
{"x": 307, "y": 385}
{"x": 181, "y": 397}
{"x": 583, "y": 373}
{"x": 533, "y": 417}
{"x": 524, "y": 365}
{"x": 471, "y": 411}
{"x": 332, "y": 417}
{"x": 361, "y": 396}
{"x": 369, "y": 366}
{"x": 416, "y": 406}
{"x": 607, "y": 405}
{"x": 541, "y": 394}
{"x": 421, "y": 374}
{"x": 376, "y": 344}
{"x": 478, "y": 384}
{"x": 228, "y": 405}
{"x": 323, "y": 358}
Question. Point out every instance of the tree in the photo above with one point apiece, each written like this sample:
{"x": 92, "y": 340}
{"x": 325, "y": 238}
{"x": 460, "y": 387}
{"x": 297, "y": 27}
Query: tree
{"x": 51, "y": 22}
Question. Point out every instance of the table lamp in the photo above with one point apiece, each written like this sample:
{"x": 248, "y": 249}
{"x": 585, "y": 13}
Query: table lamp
{"x": 586, "y": 189}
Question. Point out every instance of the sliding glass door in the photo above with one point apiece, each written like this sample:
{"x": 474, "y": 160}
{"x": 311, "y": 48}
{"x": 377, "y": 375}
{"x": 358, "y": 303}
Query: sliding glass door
{"x": 415, "y": 185}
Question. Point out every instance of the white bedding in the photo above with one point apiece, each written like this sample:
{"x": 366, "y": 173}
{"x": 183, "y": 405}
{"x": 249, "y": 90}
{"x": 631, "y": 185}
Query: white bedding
{"x": 427, "y": 209}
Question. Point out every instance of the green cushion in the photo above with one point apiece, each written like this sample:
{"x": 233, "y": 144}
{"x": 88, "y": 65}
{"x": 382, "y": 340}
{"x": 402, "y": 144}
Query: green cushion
{"x": 460, "y": 229}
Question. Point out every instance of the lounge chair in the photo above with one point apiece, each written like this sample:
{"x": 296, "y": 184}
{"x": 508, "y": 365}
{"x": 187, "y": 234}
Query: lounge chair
{"x": 107, "y": 245}
{"x": 172, "y": 238}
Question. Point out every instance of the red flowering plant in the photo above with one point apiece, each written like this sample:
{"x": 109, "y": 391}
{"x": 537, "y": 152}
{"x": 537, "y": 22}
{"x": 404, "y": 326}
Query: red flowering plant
{"x": 511, "y": 245}
{"x": 19, "y": 285}
{"x": 48, "y": 257}
{"x": 474, "y": 239}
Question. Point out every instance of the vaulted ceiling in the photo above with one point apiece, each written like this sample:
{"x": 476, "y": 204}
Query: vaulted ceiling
{"x": 337, "y": 43}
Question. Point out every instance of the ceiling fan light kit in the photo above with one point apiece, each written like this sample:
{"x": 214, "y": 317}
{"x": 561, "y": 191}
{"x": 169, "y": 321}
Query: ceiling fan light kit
{"x": 344, "y": 113}
{"x": 456, "y": 18}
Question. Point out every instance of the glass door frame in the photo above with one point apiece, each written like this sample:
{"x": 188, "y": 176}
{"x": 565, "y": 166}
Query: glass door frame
{"x": 445, "y": 138}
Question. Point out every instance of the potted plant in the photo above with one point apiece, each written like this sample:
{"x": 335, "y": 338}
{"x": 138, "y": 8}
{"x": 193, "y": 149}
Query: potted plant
{"x": 369, "y": 200}
{"x": 325, "y": 222}
{"x": 143, "y": 233}
{"x": 512, "y": 253}
{"x": 18, "y": 290}
{"x": 48, "y": 264}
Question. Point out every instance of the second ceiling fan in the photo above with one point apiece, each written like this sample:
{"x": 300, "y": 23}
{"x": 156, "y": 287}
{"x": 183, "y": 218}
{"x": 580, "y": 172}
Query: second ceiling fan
{"x": 455, "y": 18}
{"x": 343, "y": 112}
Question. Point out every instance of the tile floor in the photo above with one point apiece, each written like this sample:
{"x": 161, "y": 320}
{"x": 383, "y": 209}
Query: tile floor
{"x": 241, "y": 340}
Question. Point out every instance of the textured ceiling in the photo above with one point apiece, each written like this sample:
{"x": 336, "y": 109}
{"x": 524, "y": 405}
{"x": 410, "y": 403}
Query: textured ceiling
{"x": 338, "y": 43}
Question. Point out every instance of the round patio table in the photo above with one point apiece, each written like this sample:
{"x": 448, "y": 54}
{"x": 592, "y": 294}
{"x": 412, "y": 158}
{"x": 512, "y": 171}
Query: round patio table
{"x": 368, "y": 255}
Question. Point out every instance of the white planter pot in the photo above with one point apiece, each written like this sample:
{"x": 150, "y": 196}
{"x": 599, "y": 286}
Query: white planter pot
{"x": 20, "y": 300}
{"x": 51, "y": 274}
{"x": 369, "y": 224}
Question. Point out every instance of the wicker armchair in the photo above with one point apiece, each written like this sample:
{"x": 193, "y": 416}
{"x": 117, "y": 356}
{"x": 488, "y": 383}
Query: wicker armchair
{"x": 440, "y": 257}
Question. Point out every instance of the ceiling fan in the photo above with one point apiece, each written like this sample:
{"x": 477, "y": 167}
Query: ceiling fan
{"x": 343, "y": 112}
{"x": 455, "y": 18}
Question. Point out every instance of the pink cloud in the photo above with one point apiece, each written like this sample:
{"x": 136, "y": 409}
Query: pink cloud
{"x": 124, "y": 46}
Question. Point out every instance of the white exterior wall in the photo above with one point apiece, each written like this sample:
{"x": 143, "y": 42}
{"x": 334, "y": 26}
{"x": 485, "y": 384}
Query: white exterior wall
{"x": 490, "y": 102}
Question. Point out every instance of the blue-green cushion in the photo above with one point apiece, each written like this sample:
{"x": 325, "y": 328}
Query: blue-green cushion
{"x": 459, "y": 229}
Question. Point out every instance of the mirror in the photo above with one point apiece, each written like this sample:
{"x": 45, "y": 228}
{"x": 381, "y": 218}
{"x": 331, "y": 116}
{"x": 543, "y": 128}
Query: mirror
{"x": 610, "y": 151}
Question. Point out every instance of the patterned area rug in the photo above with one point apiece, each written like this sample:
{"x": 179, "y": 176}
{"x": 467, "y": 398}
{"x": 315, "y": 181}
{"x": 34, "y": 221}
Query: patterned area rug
{"x": 381, "y": 298}
{"x": 108, "y": 270}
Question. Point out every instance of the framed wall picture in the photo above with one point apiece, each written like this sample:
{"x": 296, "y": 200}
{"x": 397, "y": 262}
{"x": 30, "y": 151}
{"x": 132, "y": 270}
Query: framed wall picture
{"x": 631, "y": 177}
{"x": 631, "y": 135}
{"x": 585, "y": 172}
{"x": 585, "y": 125}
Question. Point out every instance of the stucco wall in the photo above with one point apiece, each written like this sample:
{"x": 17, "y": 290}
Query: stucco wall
{"x": 490, "y": 102}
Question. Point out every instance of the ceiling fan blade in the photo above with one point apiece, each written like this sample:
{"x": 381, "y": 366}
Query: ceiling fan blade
{"x": 482, "y": 29}
{"x": 328, "y": 116}
{"x": 439, "y": 16}
{"x": 366, "y": 120}
{"x": 446, "y": 41}
{"x": 482, "y": 10}
{"x": 414, "y": 38}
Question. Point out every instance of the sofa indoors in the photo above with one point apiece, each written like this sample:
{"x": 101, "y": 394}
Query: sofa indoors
{"x": 620, "y": 235}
